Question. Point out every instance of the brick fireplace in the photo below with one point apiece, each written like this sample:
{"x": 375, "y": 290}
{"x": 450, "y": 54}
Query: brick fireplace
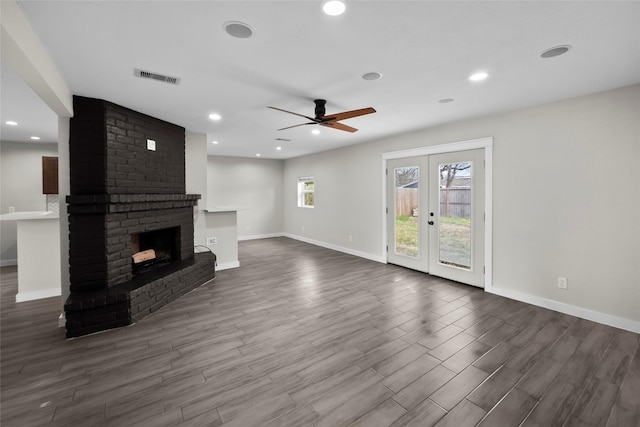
{"x": 131, "y": 247}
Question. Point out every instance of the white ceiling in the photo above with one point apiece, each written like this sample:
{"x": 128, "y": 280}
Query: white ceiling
{"x": 425, "y": 50}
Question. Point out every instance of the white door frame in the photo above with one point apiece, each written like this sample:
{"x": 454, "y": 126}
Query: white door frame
{"x": 485, "y": 143}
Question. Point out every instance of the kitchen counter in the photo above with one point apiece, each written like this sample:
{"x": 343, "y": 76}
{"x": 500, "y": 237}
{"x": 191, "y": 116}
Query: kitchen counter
{"x": 18, "y": 216}
{"x": 38, "y": 237}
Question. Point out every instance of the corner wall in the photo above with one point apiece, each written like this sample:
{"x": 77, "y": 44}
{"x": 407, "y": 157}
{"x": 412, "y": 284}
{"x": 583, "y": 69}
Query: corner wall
{"x": 252, "y": 185}
{"x": 223, "y": 225}
{"x": 566, "y": 200}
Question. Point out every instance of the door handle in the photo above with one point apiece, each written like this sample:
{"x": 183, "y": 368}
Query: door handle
{"x": 430, "y": 223}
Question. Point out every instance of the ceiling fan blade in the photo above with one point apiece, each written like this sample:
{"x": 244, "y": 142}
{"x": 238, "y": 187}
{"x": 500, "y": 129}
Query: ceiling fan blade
{"x": 348, "y": 114}
{"x": 339, "y": 126}
{"x": 301, "y": 124}
{"x": 296, "y": 114}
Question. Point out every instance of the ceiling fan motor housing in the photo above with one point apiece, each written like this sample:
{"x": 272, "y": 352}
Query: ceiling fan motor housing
{"x": 320, "y": 110}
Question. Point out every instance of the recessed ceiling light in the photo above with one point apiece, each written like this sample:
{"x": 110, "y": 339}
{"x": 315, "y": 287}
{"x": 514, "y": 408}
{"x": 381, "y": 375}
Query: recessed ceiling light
{"x": 446, "y": 100}
{"x": 478, "y": 76}
{"x": 35, "y": 138}
{"x": 372, "y": 76}
{"x": 239, "y": 30}
{"x": 215, "y": 142}
{"x": 315, "y": 132}
{"x": 333, "y": 7}
{"x": 555, "y": 51}
{"x": 11, "y": 123}
{"x": 215, "y": 116}
{"x": 278, "y": 148}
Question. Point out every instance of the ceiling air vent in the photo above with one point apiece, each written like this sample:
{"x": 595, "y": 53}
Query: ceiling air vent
{"x": 156, "y": 76}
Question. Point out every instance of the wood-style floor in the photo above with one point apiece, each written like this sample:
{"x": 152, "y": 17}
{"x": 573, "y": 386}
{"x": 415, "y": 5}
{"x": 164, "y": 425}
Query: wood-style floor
{"x": 304, "y": 336}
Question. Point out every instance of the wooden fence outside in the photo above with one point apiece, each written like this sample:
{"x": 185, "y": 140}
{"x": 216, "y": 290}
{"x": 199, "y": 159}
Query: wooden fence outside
{"x": 453, "y": 201}
{"x": 406, "y": 201}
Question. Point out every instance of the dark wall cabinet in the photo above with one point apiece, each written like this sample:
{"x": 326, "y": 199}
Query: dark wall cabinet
{"x": 49, "y": 175}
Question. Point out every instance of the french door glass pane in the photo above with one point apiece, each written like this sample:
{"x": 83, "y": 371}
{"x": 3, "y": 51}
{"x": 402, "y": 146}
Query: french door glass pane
{"x": 407, "y": 210}
{"x": 454, "y": 227}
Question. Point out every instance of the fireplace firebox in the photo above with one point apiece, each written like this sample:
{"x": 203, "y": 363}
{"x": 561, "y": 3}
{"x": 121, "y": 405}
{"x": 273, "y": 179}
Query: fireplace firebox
{"x": 153, "y": 249}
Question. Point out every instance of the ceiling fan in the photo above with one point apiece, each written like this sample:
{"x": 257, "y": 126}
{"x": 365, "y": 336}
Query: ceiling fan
{"x": 331, "y": 120}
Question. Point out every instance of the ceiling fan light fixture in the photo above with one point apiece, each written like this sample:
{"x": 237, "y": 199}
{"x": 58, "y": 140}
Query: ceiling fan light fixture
{"x": 333, "y": 7}
{"x": 371, "y": 76}
{"x": 239, "y": 30}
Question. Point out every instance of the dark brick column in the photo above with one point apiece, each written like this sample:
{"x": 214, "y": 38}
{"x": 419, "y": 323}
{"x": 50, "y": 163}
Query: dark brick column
{"x": 120, "y": 187}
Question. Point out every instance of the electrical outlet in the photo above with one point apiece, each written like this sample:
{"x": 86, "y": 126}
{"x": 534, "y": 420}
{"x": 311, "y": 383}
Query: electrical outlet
{"x": 563, "y": 283}
{"x": 212, "y": 241}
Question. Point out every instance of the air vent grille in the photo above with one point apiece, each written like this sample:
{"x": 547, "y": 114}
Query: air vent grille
{"x": 155, "y": 76}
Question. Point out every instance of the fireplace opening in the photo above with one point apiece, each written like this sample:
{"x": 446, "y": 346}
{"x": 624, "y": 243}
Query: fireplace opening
{"x": 154, "y": 249}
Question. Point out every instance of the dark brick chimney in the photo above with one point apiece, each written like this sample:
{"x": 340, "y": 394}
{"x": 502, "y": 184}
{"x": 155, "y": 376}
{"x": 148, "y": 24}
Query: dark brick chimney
{"x": 127, "y": 179}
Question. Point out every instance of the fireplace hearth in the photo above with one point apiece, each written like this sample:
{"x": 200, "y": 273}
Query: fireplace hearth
{"x": 131, "y": 247}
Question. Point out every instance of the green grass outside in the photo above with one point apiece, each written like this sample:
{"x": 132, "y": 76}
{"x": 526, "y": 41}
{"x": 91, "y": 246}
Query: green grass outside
{"x": 455, "y": 239}
{"x": 407, "y": 235}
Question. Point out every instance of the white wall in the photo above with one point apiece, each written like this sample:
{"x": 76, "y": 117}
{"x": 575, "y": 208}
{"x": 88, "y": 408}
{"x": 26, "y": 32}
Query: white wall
{"x": 254, "y": 186}
{"x": 566, "y": 199}
{"x": 347, "y": 199}
{"x": 64, "y": 189}
{"x": 222, "y": 226}
{"x": 20, "y": 187}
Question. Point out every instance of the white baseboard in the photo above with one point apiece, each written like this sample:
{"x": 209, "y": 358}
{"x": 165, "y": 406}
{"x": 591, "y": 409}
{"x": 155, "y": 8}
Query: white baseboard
{"x": 45, "y": 293}
{"x": 260, "y": 236}
{"x": 8, "y": 262}
{"x": 227, "y": 265}
{"x": 583, "y": 313}
{"x": 595, "y": 316}
{"x": 349, "y": 251}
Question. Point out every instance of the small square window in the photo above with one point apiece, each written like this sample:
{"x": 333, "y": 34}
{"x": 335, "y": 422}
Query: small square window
{"x": 306, "y": 187}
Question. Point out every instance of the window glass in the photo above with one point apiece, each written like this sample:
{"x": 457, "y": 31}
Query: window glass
{"x": 306, "y": 188}
{"x": 454, "y": 226}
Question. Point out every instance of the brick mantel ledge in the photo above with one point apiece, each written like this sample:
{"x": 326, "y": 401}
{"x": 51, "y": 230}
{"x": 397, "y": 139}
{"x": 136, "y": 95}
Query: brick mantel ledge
{"x": 118, "y": 203}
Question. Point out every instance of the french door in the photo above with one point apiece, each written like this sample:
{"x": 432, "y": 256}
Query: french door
{"x": 435, "y": 214}
{"x": 407, "y": 201}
